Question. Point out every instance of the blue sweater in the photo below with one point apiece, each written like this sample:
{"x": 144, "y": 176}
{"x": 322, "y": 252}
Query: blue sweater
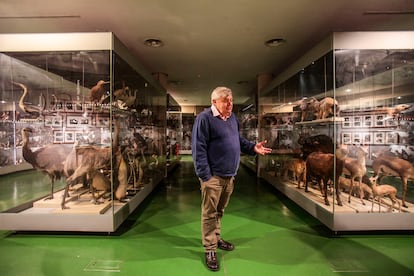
{"x": 216, "y": 145}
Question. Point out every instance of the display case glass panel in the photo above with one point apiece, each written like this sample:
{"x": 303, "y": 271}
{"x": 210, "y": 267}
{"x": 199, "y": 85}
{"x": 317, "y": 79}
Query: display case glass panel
{"x": 248, "y": 120}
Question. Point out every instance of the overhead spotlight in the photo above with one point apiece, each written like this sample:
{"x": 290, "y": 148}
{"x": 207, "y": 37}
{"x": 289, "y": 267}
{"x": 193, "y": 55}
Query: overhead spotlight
{"x": 274, "y": 42}
{"x": 153, "y": 42}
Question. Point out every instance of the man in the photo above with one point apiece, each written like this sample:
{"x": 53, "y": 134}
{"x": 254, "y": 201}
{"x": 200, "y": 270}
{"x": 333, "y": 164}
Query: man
{"x": 216, "y": 148}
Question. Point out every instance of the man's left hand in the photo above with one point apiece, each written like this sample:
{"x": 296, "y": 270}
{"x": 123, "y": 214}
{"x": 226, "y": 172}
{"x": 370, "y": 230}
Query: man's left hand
{"x": 259, "y": 148}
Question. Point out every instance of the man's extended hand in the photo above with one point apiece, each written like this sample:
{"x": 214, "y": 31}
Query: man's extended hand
{"x": 259, "y": 148}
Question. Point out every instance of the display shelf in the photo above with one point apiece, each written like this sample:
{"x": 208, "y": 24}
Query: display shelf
{"x": 349, "y": 217}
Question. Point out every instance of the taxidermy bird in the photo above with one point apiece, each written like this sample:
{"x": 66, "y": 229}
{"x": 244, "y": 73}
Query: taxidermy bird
{"x": 98, "y": 91}
{"x": 32, "y": 109}
{"x": 48, "y": 160}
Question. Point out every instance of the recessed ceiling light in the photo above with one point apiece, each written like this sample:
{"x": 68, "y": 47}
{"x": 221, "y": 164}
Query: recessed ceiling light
{"x": 274, "y": 42}
{"x": 153, "y": 42}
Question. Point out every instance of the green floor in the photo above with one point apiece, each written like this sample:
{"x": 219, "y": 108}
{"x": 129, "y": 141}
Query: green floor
{"x": 162, "y": 237}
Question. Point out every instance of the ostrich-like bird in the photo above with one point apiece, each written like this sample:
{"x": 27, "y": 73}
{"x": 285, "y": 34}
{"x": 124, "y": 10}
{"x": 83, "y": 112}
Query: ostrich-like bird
{"x": 48, "y": 160}
{"x": 38, "y": 110}
{"x": 98, "y": 91}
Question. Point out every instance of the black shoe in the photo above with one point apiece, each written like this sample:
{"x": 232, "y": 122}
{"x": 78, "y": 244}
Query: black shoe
{"x": 211, "y": 261}
{"x": 225, "y": 245}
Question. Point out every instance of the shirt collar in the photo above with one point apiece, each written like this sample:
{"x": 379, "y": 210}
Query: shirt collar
{"x": 216, "y": 113}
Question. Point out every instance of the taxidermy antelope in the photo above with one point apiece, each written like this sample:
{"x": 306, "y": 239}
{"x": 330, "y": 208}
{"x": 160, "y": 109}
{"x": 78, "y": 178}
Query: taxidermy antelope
{"x": 385, "y": 165}
{"x": 356, "y": 169}
{"x": 381, "y": 191}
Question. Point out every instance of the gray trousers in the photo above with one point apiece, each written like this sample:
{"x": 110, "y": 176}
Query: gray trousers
{"x": 215, "y": 196}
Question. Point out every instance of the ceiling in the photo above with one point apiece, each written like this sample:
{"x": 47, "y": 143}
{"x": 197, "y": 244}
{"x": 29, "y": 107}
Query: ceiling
{"x": 210, "y": 43}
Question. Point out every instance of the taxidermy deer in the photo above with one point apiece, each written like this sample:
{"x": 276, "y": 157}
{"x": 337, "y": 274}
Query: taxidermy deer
{"x": 356, "y": 169}
{"x": 385, "y": 165}
{"x": 383, "y": 190}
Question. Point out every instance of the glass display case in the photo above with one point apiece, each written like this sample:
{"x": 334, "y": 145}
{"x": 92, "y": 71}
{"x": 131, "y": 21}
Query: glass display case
{"x": 173, "y": 132}
{"x": 340, "y": 122}
{"x": 247, "y": 116}
{"x": 82, "y": 132}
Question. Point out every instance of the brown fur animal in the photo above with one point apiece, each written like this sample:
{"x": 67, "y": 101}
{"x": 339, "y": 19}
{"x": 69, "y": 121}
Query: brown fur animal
{"x": 98, "y": 91}
{"x": 325, "y": 166}
{"x": 356, "y": 169}
{"x": 90, "y": 159}
{"x": 345, "y": 186}
{"x": 385, "y": 165}
{"x": 384, "y": 190}
{"x": 308, "y": 108}
{"x": 327, "y": 107}
{"x": 298, "y": 168}
{"x": 99, "y": 182}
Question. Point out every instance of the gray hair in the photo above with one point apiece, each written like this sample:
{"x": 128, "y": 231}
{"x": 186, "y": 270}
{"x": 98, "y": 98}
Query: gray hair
{"x": 220, "y": 92}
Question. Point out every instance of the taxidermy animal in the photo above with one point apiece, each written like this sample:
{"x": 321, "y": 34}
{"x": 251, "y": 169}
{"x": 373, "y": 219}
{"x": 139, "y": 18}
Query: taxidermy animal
{"x": 98, "y": 91}
{"x": 38, "y": 110}
{"x": 356, "y": 169}
{"x": 298, "y": 167}
{"x": 99, "y": 182}
{"x": 48, "y": 160}
{"x": 125, "y": 97}
{"x": 380, "y": 191}
{"x": 84, "y": 161}
{"x": 92, "y": 158}
{"x": 308, "y": 108}
{"x": 397, "y": 109}
{"x": 325, "y": 166}
{"x": 345, "y": 185}
{"x": 326, "y": 107}
{"x": 389, "y": 165}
